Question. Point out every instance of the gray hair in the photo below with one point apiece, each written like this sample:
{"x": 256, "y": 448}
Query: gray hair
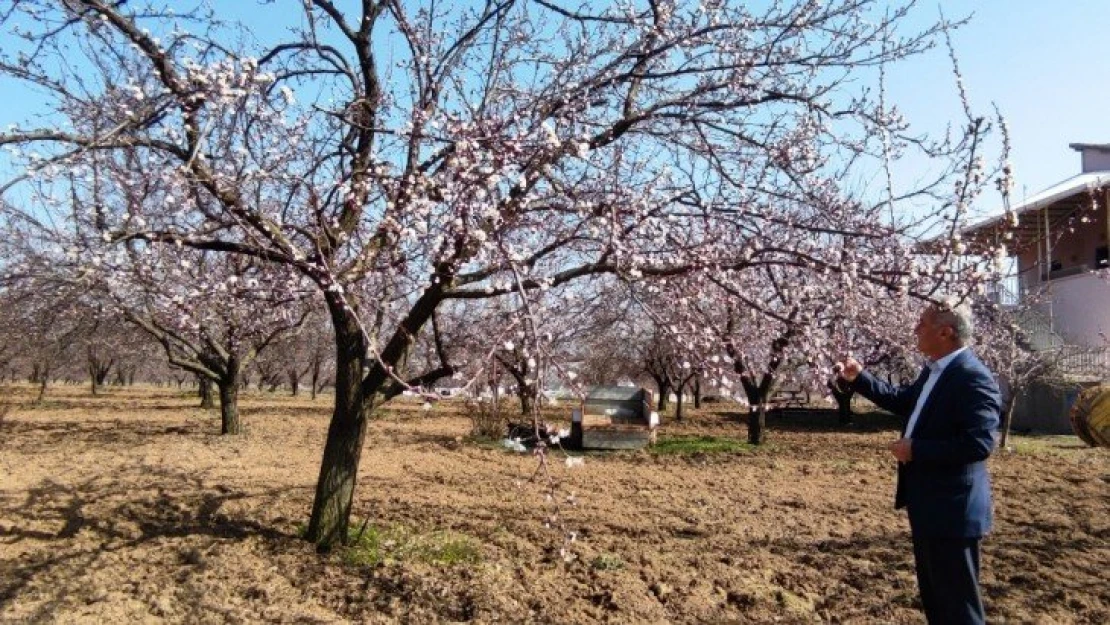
{"x": 959, "y": 319}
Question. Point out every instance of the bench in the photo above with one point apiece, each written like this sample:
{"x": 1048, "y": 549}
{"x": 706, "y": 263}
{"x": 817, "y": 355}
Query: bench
{"x": 614, "y": 417}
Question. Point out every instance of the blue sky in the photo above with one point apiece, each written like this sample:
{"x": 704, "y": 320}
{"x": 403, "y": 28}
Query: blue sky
{"x": 1039, "y": 62}
{"x": 1043, "y": 63}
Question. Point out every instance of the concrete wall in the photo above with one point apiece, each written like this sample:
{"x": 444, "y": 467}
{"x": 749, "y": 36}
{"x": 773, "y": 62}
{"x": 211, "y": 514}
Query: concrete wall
{"x": 1045, "y": 409}
{"x": 1081, "y": 309}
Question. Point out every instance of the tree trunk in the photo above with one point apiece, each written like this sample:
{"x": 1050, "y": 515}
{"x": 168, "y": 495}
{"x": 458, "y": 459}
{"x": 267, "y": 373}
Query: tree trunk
{"x": 680, "y": 407}
{"x": 357, "y": 397}
{"x": 205, "y": 386}
{"x": 316, "y": 366}
{"x": 664, "y": 394}
{"x": 1008, "y": 409}
{"x": 335, "y": 488}
{"x": 92, "y": 365}
{"x": 294, "y": 381}
{"x": 757, "y": 394}
{"x": 102, "y": 373}
{"x": 697, "y": 392}
{"x": 525, "y": 392}
{"x": 229, "y": 404}
{"x": 527, "y": 395}
{"x": 757, "y": 423}
{"x": 1007, "y": 418}
{"x": 42, "y": 387}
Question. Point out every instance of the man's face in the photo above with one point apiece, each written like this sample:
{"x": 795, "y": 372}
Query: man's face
{"x": 933, "y": 339}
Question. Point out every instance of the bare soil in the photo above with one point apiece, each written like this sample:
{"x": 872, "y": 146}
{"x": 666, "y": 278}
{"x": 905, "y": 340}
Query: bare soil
{"x": 130, "y": 507}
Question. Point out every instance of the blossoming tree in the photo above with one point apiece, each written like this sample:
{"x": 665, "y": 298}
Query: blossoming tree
{"x": 403, "y": 155}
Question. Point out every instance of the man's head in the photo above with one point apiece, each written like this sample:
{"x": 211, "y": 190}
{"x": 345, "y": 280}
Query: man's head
{"x": 942, "y": 330}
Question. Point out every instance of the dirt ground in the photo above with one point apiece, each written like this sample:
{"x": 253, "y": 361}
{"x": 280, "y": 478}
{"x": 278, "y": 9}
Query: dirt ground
{"x": 130, "y": 507}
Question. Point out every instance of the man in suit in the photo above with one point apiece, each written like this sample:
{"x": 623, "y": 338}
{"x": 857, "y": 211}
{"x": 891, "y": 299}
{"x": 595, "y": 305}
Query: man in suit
{"x": 953, "y": 412}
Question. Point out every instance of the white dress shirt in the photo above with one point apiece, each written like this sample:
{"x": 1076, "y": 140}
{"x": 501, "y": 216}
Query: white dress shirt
{"x": 935, "y": 369}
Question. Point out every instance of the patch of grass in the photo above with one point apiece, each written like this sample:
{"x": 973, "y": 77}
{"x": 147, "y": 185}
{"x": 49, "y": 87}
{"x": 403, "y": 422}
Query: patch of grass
{"x": 447, "y": 549}
{"x": 607, "y": 562}
{"x": 375, "y": 545}
{"x": 483, "y": 442}
{"x": 364, "y": 546}
{"x": 689, "y": 445}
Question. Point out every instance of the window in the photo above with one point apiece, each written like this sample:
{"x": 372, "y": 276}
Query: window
{"x": 1102, "y": 259}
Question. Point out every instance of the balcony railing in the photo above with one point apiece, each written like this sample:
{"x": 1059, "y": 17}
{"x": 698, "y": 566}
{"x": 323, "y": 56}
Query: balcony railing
{"x": 1005, "y": 292}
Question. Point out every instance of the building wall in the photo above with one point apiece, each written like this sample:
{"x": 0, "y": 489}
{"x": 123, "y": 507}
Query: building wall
{"x": 1096, "y": 160}
{"x": 1080, "y": 309}
{"x": 1080, "y": 301}
{"x": 1073, "y": 249}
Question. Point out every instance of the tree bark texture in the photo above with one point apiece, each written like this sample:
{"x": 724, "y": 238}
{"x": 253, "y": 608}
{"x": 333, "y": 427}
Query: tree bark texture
{"x": 1007, "y": 419}
{"x": 229, "y": 406}
{"x": 205, "y": 388}
{"x": 335, "y": 487}
{"x": 757, "y": 424}
{"x": 361, "y": 386}
{"x": 664, "y": 394}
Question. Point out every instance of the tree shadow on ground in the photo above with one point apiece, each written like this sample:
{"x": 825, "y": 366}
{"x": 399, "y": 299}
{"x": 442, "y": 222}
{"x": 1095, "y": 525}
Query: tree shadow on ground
{"x": 108, "y": 404}
{"x": 101, "y": 433}
{"x": 321, "y": 410}
{"x": 117, "y": 513}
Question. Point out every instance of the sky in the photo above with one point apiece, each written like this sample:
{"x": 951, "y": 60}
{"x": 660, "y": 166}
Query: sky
{"x": 1041, "y": 63}
{"x": 1044, "y": 64}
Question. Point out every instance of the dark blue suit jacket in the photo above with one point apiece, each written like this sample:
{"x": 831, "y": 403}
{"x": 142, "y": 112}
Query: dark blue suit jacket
{"x": 945, "y": 488}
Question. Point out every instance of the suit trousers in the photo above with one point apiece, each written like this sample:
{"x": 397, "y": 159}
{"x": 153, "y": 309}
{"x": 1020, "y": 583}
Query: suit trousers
{"x": 948, "y": 579}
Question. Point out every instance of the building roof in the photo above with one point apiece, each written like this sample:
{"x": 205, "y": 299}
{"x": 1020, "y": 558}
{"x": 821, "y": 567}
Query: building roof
{"x": 1090, "y": 146}
{"x": 1061, "y": 202}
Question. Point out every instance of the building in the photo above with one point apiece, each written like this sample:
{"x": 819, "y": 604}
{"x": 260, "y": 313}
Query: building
{"x": 1058, "y": 239}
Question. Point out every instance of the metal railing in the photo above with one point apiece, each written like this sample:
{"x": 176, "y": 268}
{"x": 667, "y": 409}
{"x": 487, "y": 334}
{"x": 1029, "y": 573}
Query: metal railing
{"x": 1070, "y": 360}
{"x": 1039, "y": 331}
{"x": 1005, "y": 292}
{"x": 1090, "y": 362}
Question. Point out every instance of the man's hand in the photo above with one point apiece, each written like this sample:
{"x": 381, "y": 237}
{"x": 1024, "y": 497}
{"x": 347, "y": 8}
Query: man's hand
{"x": 902, "y": 449}
{"x": 849, "y": 369}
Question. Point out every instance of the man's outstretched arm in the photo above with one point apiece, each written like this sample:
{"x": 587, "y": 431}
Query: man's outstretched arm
{"x": 899, "y": 400}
